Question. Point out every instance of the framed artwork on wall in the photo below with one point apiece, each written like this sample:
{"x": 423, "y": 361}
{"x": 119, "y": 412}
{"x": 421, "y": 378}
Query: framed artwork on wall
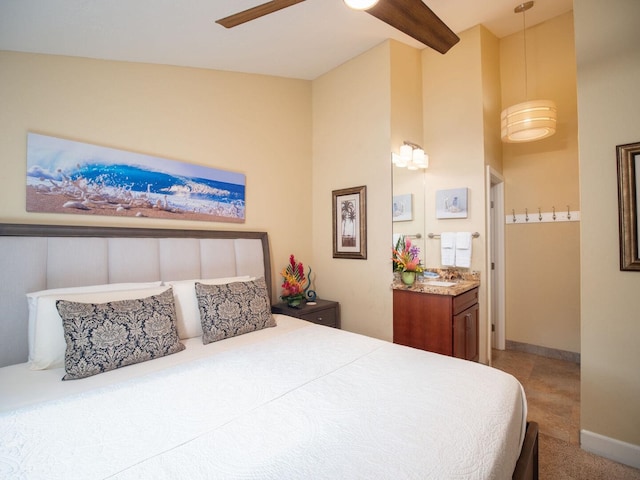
{"x": 402, "y": 207}
{"x": 350, "y": 223}
{"x": 451, "y": 203}
{"x": 66, "y": 176}
{"x": 628, "y": 157}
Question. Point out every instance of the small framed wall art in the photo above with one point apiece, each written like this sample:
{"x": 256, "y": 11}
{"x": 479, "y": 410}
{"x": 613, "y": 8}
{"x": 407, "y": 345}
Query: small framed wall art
{"x": 403, "y": 207}
{"x": 350, "y": 223}
{"x": 451, "y": 203}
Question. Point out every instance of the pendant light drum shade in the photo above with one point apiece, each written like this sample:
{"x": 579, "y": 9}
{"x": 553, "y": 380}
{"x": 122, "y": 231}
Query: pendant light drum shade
{"x": 528, "y": 121}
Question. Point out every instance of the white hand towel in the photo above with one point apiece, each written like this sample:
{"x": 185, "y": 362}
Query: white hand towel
{"x": 463, "y": 249}
{"x": 448, "y": 249}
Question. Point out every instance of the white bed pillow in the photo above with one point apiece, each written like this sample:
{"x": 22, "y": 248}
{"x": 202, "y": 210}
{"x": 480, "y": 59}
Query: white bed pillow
{"x": 32, "y": 298}
{"x": 46, "y": 335}
{"x": 184, "y": 293}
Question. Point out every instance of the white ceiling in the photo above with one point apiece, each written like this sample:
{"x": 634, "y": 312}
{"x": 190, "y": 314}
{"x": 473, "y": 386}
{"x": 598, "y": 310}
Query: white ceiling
{"x": 302, "y": 41}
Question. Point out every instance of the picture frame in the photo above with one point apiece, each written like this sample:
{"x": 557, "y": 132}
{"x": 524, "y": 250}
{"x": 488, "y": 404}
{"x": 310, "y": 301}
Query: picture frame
{"x": 628, "y": 163}
{"x": 73, "y": 177}
{"x": 452, "y": 203}
{"x": 350, "y": 223}
{"x": 402, "y": 207}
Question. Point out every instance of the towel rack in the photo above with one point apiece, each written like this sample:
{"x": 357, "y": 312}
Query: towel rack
{"x": 437, "y": 235}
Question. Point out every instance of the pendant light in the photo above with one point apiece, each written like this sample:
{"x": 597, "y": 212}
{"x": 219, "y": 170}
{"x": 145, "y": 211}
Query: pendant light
{"x": 533, "y": 119}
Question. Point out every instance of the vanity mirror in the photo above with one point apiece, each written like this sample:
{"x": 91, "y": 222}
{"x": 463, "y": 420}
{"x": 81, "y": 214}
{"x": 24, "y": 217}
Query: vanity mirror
{"x": 408, "y": 212}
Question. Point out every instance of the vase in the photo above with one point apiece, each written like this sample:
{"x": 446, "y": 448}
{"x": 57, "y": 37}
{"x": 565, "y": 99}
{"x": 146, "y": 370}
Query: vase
{"x": 408, "y": 278}
{"x": 294, "y": 300}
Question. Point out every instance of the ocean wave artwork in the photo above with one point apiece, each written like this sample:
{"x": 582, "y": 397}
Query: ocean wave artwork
{"x": 66, "y": 176}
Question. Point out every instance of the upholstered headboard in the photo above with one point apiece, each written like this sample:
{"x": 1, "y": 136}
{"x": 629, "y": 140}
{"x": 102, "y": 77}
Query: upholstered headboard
{"x": 39, "y": 257}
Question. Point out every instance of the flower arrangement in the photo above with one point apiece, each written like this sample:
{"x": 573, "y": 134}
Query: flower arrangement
{"x": 405, "y": 256}
{"x": 293, "y": 282}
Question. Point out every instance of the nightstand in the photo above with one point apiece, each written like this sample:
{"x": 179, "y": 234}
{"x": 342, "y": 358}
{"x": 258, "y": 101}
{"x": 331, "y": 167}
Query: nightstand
{"x": 325, "y": 312}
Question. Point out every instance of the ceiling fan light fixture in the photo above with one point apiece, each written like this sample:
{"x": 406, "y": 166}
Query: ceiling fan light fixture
{"x": 360, "y": 4}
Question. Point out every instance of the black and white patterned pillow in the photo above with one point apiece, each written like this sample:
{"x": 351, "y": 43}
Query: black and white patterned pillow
{"x": 233, "y": 309}
{"x": 106, "y": 336}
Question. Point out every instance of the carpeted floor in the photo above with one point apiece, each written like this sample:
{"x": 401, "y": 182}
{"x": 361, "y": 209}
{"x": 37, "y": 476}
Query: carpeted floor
{"x": 553, "y": 397}
{"x": 560, "y": 460}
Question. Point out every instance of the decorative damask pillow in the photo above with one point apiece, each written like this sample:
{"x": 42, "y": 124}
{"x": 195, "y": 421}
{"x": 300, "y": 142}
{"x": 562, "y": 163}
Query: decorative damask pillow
{"x": 106, "y": 336}
{"x": 233, "y": 309}
{"x": 187, "y": 312}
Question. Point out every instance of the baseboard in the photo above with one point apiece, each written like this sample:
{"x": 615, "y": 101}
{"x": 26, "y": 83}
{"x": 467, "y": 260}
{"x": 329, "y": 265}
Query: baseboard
{"x": 544, "y": 351}
{"x": 610, "y": 448}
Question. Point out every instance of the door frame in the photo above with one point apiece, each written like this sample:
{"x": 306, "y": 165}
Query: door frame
{"x": 496, "y": 255}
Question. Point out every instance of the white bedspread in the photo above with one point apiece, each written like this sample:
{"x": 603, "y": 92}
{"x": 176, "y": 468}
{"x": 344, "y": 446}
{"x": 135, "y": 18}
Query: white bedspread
{"x": 312, "y": 402}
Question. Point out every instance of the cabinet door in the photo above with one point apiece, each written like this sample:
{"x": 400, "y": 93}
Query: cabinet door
{"x": 472, "y": 344}
{"x": 465, "y": 334}
{"x": 422, "y": 320}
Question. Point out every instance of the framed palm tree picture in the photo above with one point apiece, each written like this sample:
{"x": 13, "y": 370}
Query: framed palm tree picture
{"x": 350, "y": 223}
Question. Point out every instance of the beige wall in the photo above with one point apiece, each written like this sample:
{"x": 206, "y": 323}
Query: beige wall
{"x": 542, "y": 260}
{"x": 608, "y": 64}
{"x": 453, "y": 100}
{"x": 351, "y": 147}
{"x": 492, "y": 101}
{"x": 256, "y": 125}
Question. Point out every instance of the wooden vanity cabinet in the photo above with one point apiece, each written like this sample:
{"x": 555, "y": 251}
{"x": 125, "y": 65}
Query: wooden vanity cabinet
{"x": 443, "y": 324}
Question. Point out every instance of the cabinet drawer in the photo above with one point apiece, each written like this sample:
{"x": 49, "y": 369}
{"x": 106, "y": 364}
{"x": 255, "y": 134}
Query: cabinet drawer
{"x": 322, "y": 317}
{"x": 465, "y": 300}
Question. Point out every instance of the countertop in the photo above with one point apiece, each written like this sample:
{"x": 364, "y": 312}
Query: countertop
{"x": 462, "y": 282}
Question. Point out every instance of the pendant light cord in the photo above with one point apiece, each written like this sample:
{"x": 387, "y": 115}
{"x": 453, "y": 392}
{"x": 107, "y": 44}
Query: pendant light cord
{"x": 524, "y": 43}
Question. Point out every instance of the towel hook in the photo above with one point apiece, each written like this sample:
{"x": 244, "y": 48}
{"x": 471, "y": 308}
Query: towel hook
{"x": 526, "y": 214}
{"x": 513, "y": 212}
{"x": 554, "y": 213}
{"x": 568, "y": 213}
{"x": 539, "y": 214}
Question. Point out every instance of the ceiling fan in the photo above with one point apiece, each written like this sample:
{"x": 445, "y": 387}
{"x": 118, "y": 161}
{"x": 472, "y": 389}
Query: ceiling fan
{"x": 412, "y": 17}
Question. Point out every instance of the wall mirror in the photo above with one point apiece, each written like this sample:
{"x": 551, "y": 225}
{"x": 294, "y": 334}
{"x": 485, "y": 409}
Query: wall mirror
{"x": 408, "y": 210}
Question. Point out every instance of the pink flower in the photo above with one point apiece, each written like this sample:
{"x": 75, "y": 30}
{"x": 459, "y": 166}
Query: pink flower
{"x": 405, "y": 256}
{"x": 293, "y": 278}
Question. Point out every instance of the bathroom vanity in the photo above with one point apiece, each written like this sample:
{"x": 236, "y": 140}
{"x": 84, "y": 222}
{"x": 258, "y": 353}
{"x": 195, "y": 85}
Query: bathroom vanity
{"x": 440, "y": 317}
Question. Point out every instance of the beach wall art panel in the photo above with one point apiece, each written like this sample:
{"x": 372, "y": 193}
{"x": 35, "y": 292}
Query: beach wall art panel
{"x": 65, "y": 176}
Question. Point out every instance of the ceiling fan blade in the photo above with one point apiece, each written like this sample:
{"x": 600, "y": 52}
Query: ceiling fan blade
{"x": 255, "y": 12}
{"x": 417, "y": 20}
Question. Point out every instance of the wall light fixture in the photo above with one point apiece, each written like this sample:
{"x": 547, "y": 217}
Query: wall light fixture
{"x": 411, "y": 156}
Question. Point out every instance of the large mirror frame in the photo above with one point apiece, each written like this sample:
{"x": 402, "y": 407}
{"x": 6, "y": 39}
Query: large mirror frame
{"x": 628, "y": 187}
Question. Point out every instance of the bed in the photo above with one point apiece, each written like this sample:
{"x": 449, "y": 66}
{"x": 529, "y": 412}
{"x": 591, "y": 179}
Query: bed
{"x": 274, "y": 398}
